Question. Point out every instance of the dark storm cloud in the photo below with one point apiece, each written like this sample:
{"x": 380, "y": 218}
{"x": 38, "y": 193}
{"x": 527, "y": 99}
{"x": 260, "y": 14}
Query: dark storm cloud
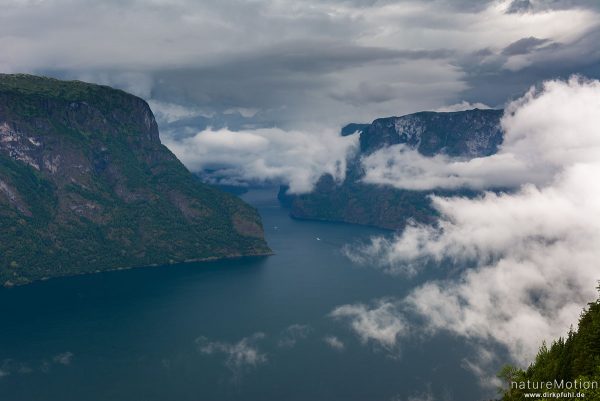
{"x": 492, "y": 84}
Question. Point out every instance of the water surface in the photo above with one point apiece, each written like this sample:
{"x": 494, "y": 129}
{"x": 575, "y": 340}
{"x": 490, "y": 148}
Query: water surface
{"x": 221, "y": 331}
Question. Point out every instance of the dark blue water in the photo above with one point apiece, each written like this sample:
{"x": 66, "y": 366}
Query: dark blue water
{"x": 177, "y": 332}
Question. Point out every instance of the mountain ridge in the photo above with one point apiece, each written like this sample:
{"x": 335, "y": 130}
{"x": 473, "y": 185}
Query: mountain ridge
{"x": 463, "y": 134}
{"x": 86, "y": 185}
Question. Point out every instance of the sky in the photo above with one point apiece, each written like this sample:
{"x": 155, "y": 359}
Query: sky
{"x": 302, "y": 64}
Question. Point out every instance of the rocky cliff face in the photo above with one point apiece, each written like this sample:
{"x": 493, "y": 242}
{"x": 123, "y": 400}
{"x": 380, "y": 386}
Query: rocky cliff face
{"x": 465, "y": 134}
{"x": 86, "y": 185}
{"x": 469, "y": 134}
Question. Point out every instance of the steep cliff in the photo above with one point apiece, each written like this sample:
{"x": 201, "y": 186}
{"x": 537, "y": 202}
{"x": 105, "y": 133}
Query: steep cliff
{"x": 464, "y": 134}
{"x": 86, "y": 185}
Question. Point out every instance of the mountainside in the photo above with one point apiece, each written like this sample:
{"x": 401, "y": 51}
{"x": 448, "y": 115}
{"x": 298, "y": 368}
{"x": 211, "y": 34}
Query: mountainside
{"x": 86, "y": 185}
{"x": 572, "y": 359}
{"x": 465, "y": 134}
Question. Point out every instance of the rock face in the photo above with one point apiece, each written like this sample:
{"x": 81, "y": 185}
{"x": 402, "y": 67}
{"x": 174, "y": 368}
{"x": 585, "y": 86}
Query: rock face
{"x": 86, "y": 185}
{"x": 465, "y": 134}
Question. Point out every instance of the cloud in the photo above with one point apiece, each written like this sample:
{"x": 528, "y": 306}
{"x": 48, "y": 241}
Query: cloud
{"x": 380, "y": 323}
{"x": 520, "y": 6}
{"x": 535, "y": 148}
{"x": 524, "y": 46}
{"x": 424, "y": 396}
{"x": 331, "y": 62}
{"x": 297, "y": 158}
{"x": 402, "y": 167}
{"x": 239, "y": 356}
{"x": 64, "y": 359}
{"x": 139, "y": 83}
{"x": 485, "y": 71}
{"x": 533, "y": 6}
{"x": 334, "y": 343}
{"x": 10, "y": 366}
{"x": 292, "y": 334}
{"x": 428, "y": 396}
{"x": 484, "y": 366}
{"x": 244, "y": 112}
{"x": 166, "y": 113}
{"x": 522, "y": 264}
{"x": 462, "y": 106}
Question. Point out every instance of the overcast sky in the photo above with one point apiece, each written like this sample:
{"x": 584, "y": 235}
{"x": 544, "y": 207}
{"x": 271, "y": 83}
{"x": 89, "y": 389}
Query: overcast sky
{"x": 299, "y": 64}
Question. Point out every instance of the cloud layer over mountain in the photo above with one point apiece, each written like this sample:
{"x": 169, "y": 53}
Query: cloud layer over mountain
{"x": 242, "y": 65}
{"x": 536, "y": 145}
{"x": 296, "y": 158}
{"x": 533, "y": 253}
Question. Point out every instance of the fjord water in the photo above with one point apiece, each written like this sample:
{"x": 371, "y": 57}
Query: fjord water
{"x": 138, "y": 334}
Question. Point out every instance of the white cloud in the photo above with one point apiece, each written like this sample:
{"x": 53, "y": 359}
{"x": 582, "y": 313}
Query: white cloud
{"x": 403, "y": 22}
{"x": 297, "y": 158}
{"x": 64, "y": 358}
{"x": 402, "y": 167}
{"x": 9, "y": 366}
{"x": 462, "y": 106}
{"x": 536, "y": 145}
{"x": 484, "y": 366}
{"x": 424, "y": 396}
{"x": 334, "y": 343}
{"x": 534, "y": 251}
{"x": 381, "y": 323}
{"x": 169, "y": 112}
{"x": 239, "y": 356}
{"x": 260, "y": 55}
{"x": 292, "y": 334}
{"x": 186, "y": 32}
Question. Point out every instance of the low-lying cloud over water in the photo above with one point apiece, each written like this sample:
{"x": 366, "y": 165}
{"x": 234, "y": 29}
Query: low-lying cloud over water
{"x": 238, "y": 356}
{"x": 545, "y": 131}
{"x": 380, "y": 323}
{"x": 534, "y": 251}
{"x": 296, "y": 158}
{"x": 10, "y": 367}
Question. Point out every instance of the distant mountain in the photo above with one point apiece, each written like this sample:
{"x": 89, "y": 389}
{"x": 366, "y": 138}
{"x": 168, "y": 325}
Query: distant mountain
{"x": 465, "y": 134}
{"x": 86, "y": 185}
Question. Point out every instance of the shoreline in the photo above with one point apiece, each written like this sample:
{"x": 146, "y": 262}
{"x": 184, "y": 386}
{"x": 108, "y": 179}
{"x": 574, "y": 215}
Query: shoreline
{"x": 185, "y": 262}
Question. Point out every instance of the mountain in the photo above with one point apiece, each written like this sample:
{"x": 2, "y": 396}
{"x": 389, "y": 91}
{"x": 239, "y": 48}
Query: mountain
{"x": 464, "y": 134}
{"x": 86, "y": 186}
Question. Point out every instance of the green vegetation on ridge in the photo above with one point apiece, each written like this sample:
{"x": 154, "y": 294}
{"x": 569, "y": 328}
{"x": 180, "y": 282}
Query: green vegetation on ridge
{"x": 86, "y": 185}
{"x": 574, "y": 358}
